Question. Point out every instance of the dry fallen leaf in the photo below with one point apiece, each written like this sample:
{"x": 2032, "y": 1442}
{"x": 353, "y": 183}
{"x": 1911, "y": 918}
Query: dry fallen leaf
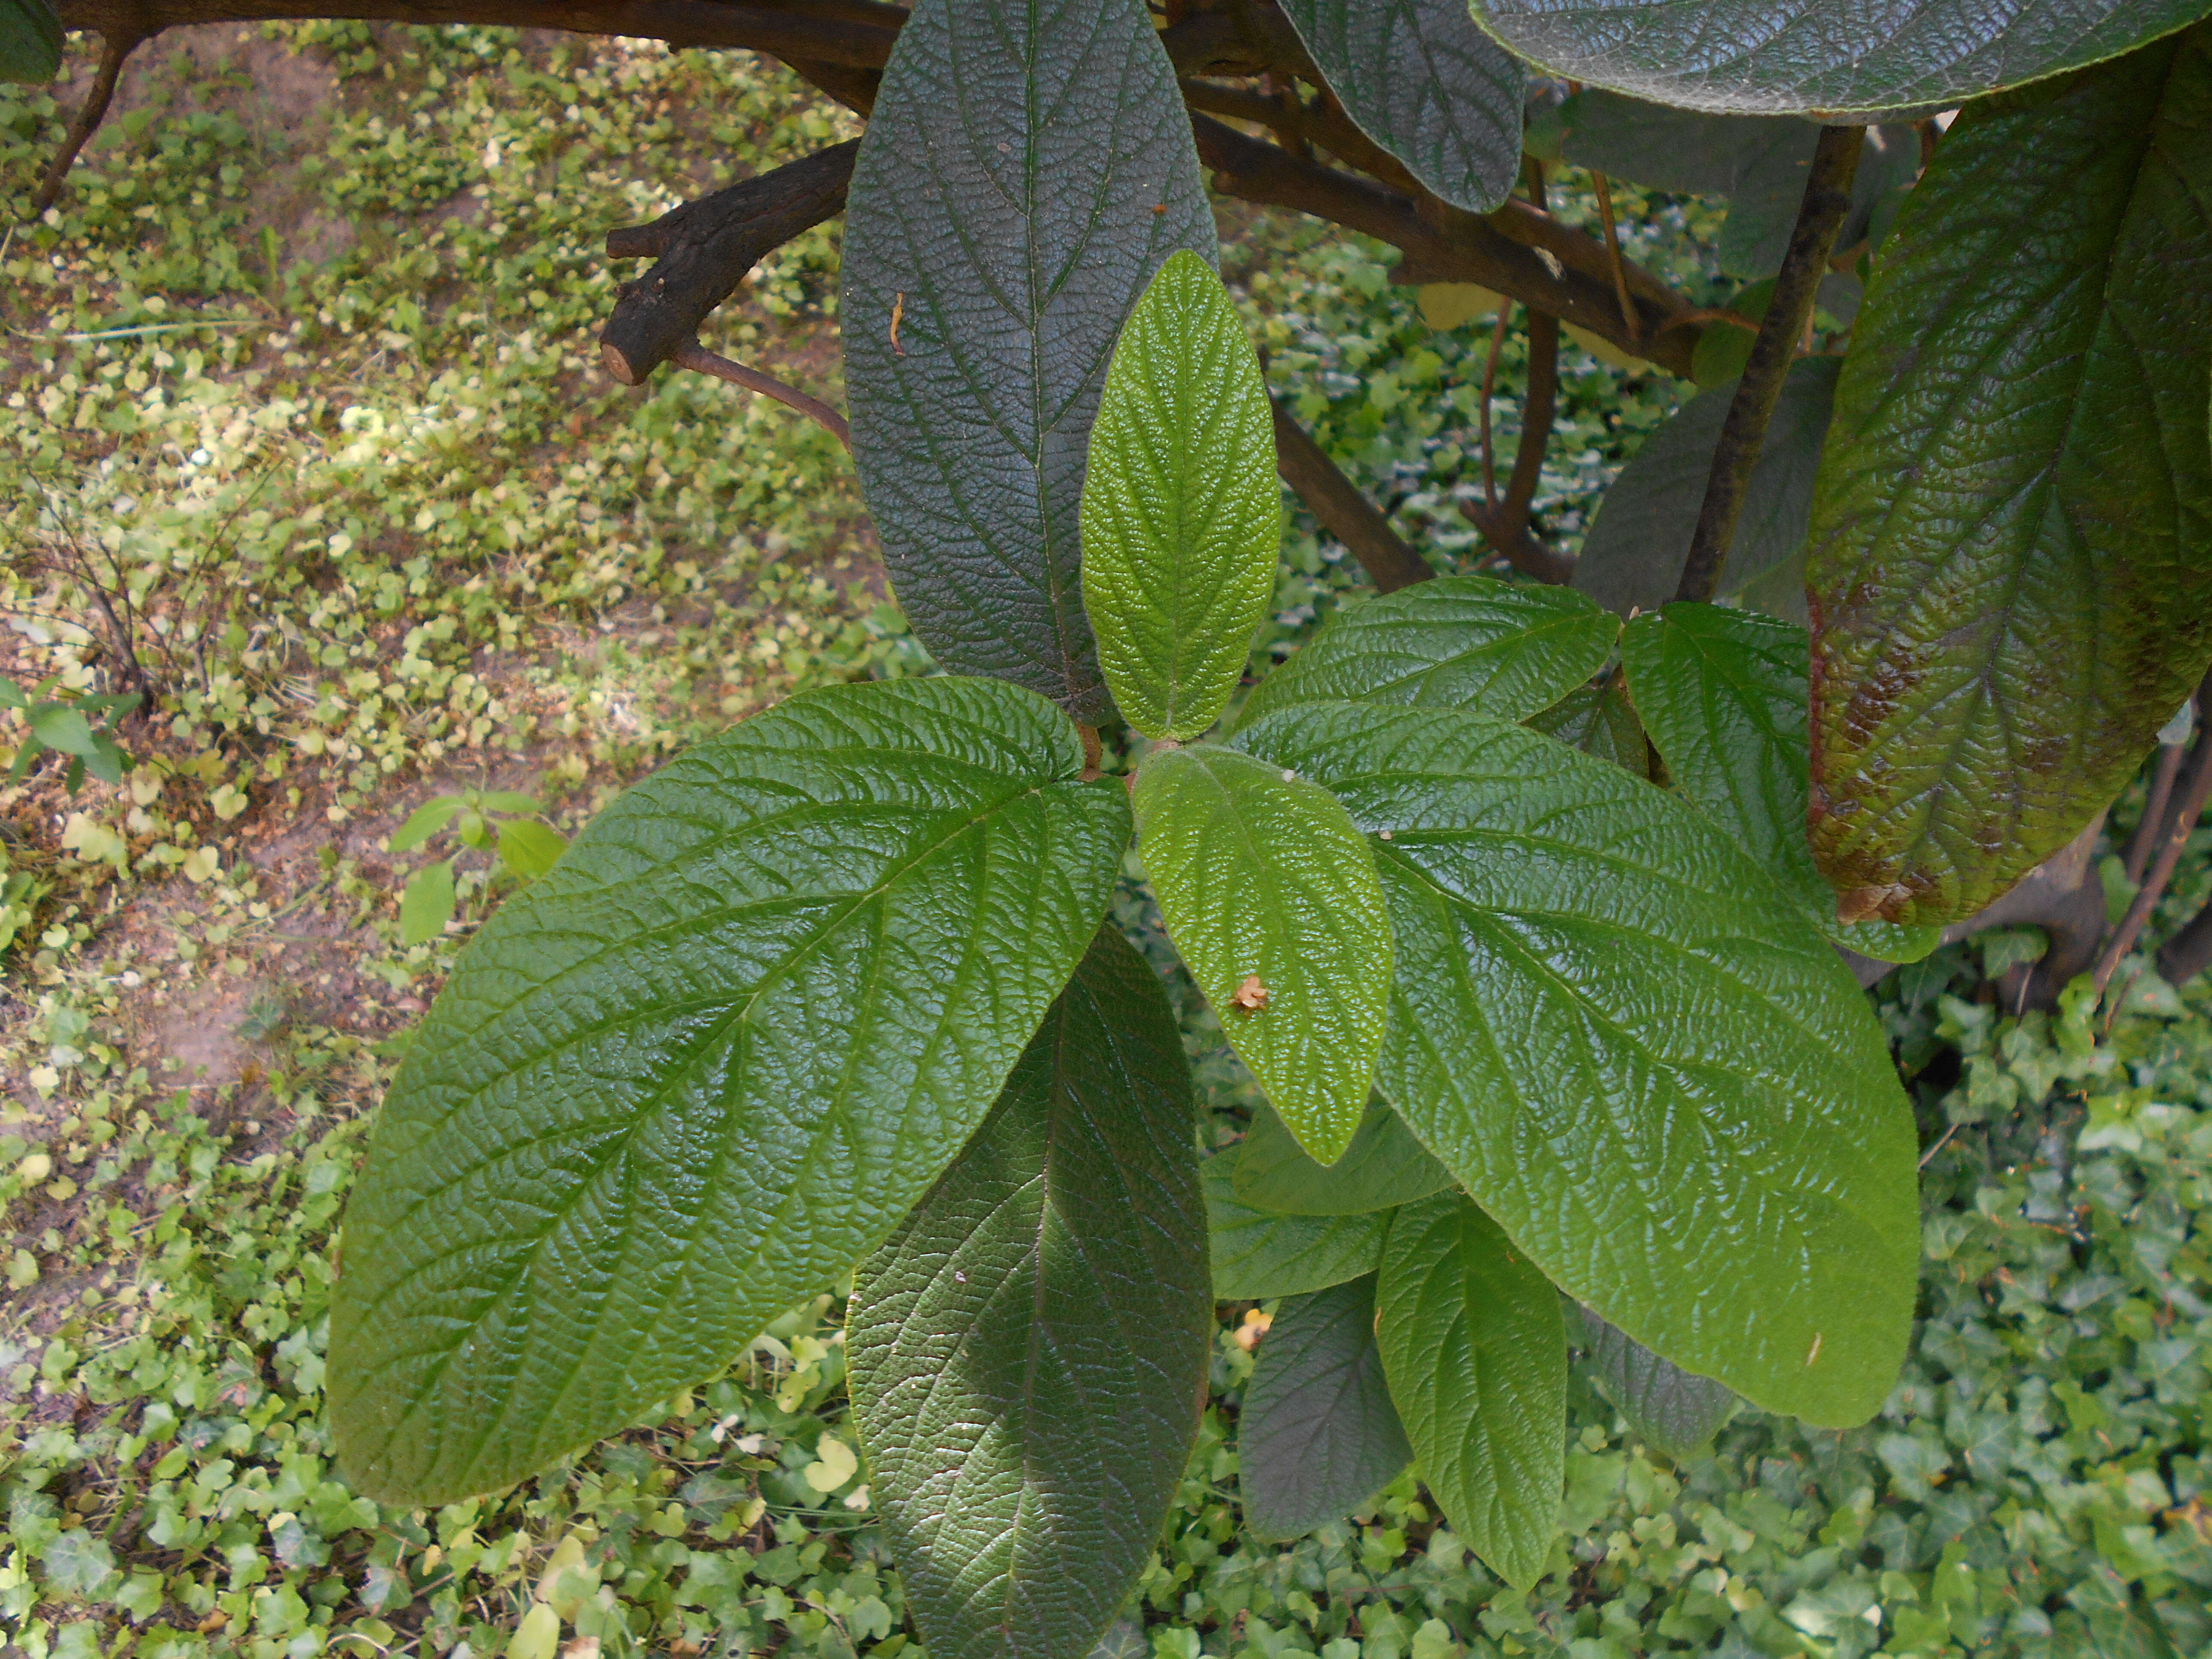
{"x": 1251, "y": 996}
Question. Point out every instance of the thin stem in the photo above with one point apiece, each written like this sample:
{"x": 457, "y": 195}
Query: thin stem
{"x": 1613, "y": 252}
{"x": 693, "y": 355}
{"x": 1489, "y": 391}
{"x": 1504, "y": 525}
{"x": 114, "y": 48}
{"x": 2137, "y": 853}
{"x": 1819, "y": 217}
{"x": 2189, "y": 952}
{"x": 2191, "y": 787}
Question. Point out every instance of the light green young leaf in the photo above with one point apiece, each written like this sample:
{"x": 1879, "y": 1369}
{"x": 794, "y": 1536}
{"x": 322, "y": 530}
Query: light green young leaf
{"x": 424, "y": 822}
{"x": 1476, "y": 1355}
{"x": 1259, "y": 1253}
{"x": 1635, "y": 1053}
{"x": 1028, "y": 1350}
{"x": 426, "y": 903}
{"x": 1382, "y": 1167}
{"x": 528, "y": 847}
{"x": 1723, "y": 695}
{"x": 509, "y": 800}
{"x": 1502, "y": 649}
{"x": 1317, "y": 1436}
{"x": 1183, "y": 518}
{"x": 690, "y": 1075}
{"x": 1269, "y": 894}
{"x": 58, "y": 726}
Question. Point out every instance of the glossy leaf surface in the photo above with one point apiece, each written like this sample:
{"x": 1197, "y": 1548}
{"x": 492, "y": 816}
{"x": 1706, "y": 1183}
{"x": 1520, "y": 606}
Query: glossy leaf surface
{"x": 1600, "y": 720}
{"x": 1503, "y": 649}
{"x": 1822, "y": 57}
{"x": 1183, "y": 518}
{"x": 2012, "y": 533}
{"x": 1476, "y": 1355}
{"x": 1635, "y": 1054}
{"x": 1382, "y": 1167}
{"x": 1028, "y": 1351}
{"x": 1026, "y": 171}
{"x": 1259, "y": 1253}
{"x": 1633, "y": 555}
{"x": 1722, "y": 693}
{"x": 1423, "y": 81}
{"x": 694, "y": 1073}
{"x": 1269, "y": 895}
{"x": 1317, "y": 1436}
{"x": 1673, "y": 1411}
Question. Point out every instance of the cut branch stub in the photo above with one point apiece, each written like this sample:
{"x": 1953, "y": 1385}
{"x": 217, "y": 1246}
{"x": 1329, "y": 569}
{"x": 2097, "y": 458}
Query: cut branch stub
{"x": 704, "y": 249}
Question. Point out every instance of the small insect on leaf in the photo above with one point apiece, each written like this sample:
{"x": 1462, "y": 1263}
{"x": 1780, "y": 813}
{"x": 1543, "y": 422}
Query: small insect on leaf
{"x": 1251, "y": 997}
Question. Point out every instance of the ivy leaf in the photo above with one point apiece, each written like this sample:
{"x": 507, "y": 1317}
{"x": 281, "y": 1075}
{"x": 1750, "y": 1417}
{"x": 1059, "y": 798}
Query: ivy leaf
{"x": 1673, "y": 1411}
{"x": 1827, "y": 58}
{"x": 2007, "y": 607}
{"x": 1633, "y": 555}
{"x": 30, "y": 41}
{"x": 1258, "y": 1254}
{"x": 426, "y": 903}
{"x": 1317, "y": 1436}
{"x": 1269, "y": 895}
{"x": 1505, "y": 649}
{"x": 1428, "y": 86}
{"x": 1026, "y": 171}
{"x": 1181, "y": 515}
{"x": 1722, "y": 694}
{"x": 1382, "y": 1167}
{"x": 1028, "y": 1350}
{"x": 691, "y": 1075}
{"x": 1635, "y": 1054}
{"x": 1476, "y": 1355}
{"x": 79, "y": 1566}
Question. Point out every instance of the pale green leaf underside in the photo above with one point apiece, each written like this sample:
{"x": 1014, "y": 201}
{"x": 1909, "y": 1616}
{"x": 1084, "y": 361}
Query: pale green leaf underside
{"x": 1476, "y": 1355}
{"x": 1261, "y": 877}
{"x": 1317, "y": 1434}
{"x": 1503, "y": 649}
{"x": 1382, "y": 1167}
{"x": 1423, "y": 81}
{"x": 1259, "y": 1253}
{"x": 1182, "y": 519}
{"x": 1722, "y": 693}
{"x": 697, "y": 1070}
{"x": 1822, "y": 57}
{"x": 1674, "y": 1411}
{"x": 1026, "y": 169}
{"x": 1028, "y": 1351}
{"x": 1634, "y": 1052}
{"x": 2011, "y": 528}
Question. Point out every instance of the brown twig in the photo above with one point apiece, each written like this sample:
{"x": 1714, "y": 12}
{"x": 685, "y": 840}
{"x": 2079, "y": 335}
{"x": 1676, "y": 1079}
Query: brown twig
{"x": 2137, "y": 853}
{"x": 1613, "y": 250}
{"x": 1343, "y": 509}
{"x": 1506, "y": 526}
{"x": 1819, "y": 217}
{"x": 2189, "y": 952}
{"x": 2191, "y": 786}
{"x": 114, "y": 48}
{"x": 693, "y": 355}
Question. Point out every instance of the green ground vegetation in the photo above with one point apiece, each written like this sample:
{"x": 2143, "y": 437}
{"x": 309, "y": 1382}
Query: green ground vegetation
{"x": 304, "y": 442}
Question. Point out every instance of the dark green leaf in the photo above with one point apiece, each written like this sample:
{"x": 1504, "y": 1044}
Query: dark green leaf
{"x": 1722, "y": 694}
{"x": 693, "y": 1074}
{"x": 1423, "y": 81}
{"x": 424, "y": 822}
{"x": 60, "y": 726}
{"x": 1026, "y": 170}
{"x": 1269, "y": 895}
{"x": 1258, "y": 1254}
{"x": 1826, "y": 57}
{"x": 1181, "y": 515}
{"x": 1674, "y": 1412}
{"x": 1599, "y": 720}
{"x": 1382, "y": 1167}
{"x": 1634, "y": 1052}
{"x": 2012, "y": 531}
{"x": 426, "y": 903}
{"x": 1503, "y": 649}
{"x": 1476, "y": 1354}
{"x": 1633, "y": 555}
{"x": 30, "y": 41}
{"x": 1317, "y": 1436}
{"x": 1028, "y": 1351}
